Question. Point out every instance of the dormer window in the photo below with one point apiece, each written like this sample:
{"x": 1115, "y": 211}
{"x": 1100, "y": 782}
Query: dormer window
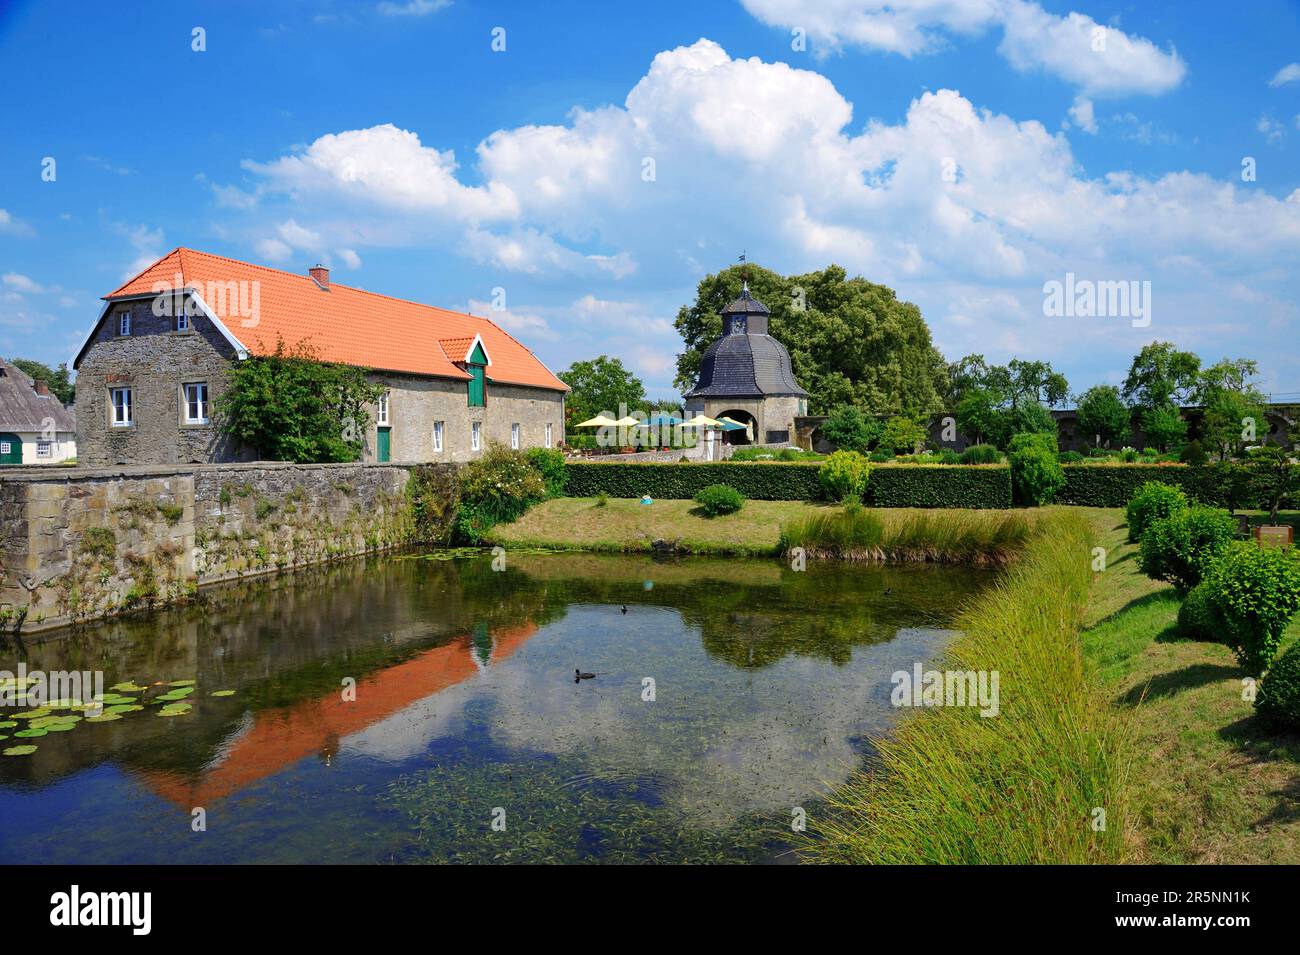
{"x": 124, "y": 322}
{"x": 476, "y": 365}
{"x": 182, "y": 316}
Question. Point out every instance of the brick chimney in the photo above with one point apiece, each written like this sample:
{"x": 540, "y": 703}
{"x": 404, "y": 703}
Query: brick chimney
{"x": 41, "y": 387}
{"x": 321, "y": 275}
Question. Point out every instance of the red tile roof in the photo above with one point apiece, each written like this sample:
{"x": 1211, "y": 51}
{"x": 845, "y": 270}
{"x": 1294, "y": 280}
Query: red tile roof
{"x": 342, "y": 324}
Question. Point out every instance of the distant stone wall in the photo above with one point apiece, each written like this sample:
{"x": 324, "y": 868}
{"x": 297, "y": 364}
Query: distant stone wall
{"x": 81, "y": 544}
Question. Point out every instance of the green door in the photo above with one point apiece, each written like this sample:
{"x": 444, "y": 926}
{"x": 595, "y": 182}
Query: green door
{"x": 11, "y": 448}
{"x": 384, "y": 444}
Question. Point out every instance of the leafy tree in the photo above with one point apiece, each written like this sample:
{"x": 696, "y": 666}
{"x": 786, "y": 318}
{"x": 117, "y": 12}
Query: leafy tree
{"x": 850, "y": 430}
{"x": 1036, "y": 382}
{"x": 1234, "y": 407}
{"x": 1161, "y": 375}
{"x": 1164, "y": 427}
{"x": 292, "y": 407}
{"x": 1103, "y": 416}
{"x": 600, "y": 385}
{"x": 59, "y": 381}
{"x": 994, "y": 402}
{"x": 851, "y": 341}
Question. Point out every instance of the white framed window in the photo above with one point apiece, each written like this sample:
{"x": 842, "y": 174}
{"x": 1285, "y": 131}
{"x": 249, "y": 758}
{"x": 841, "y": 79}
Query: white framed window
{"x": 475, "y": 435}
{"x": 6, "y": 447}
{"x": 182, "y": 316}
{"x": 383, "y": 408}
{"x": 121, "y": 398}
{"x": 44, "y": 449}
{"x": 548, "y": 434}
{"x": 196, "y": 403}
{"x": 437, "y": 437}
{"x": 124, "y": 322}
{"x": 514, "y": 436}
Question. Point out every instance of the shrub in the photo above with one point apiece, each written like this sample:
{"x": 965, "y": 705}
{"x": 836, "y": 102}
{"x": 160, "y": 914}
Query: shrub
{"x": 718, "y": 499}
{"x": 1196, "y": 615}
{"x": 981, "y": 454}
{"x": 843, "y": 476}
{"x": 1069, "y": 457}
{"x": 1153, "y": 501}
{"x": 1255, "y": 591}
{"x": 1182, "y": 547}
{"x": 880, "y": 457}
{"x": 850, "y": 430}
{"x": 497, "y": 487}
{"x": 1036, "y": 475}
{"x": 903, "y": 433}
{"x": 949, "y": 457}
{"x": 1278, "y": 701}
{"x": 549, "y": 463}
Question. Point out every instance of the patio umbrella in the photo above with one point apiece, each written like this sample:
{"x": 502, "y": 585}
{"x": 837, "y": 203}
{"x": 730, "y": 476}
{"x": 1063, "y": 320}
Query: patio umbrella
{"x": 663, "y": 419}
{"x": 600, "y": 421}
{"x": 702, "y": 420}
{"x": 730, "y": 424}
{"x": 626, "y": 422}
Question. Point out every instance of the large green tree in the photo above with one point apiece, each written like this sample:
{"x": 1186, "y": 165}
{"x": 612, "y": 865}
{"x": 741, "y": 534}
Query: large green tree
{"x": 58, "y": 379}
{"x": 993, "y": 403}
{"x": 600, "y": 385}
{"x": 1103, "y": 416}
{"x": 1233, "y": 406}
{"x": 852, "y": 342}
{"x": 1161, "y": 376}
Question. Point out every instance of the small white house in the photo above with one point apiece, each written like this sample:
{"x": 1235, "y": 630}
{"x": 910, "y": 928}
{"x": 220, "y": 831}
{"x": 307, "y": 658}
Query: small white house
{"x": 35, "y": 428}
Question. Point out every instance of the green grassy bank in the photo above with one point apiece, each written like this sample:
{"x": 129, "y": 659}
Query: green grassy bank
{"x": 1210, "y": 785}
{"x": 768, "y": 528}
{"x": 952, "y": 786}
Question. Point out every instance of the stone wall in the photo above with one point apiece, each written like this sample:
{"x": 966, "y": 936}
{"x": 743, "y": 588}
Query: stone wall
{"x": 81, "y": 544}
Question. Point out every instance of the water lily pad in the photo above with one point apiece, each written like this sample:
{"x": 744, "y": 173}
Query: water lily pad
{"x": 168, "y": 711}
{"x": 66, "y": 703}
{"x": 181, "y": 683}
{"x": 123, "y": 708}
{"x": 59, "y": 727}
{"x": 30, "y": 734}
{"x": 33, "y": 714}
{"x": 5, "y": 724}
{"x": 106, "y": 718}
{"x": 20, "y": 750}
{"x": 223, "y": 692}
{"x": 130, "y": 686}
{"x": 4, "y": 735}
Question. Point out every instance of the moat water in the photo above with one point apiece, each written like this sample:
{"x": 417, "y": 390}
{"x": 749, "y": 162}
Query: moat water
{"x": 410, "y": 708}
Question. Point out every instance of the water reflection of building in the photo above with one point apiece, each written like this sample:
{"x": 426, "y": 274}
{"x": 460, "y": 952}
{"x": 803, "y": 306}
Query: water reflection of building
{"x": 277, "y": 738}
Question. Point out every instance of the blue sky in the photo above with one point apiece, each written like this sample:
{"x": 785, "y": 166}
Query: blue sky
{"x": 963, "y": 152}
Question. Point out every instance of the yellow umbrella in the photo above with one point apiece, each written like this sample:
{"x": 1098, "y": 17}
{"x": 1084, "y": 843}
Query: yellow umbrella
{"x": 600, "y": 421}
{"x": 701, "y": 420}
{"x": 627, "y": 422}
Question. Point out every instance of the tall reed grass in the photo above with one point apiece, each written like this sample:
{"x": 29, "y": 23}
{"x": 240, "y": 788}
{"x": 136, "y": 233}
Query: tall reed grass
{"x": 951, "y": 786}
{"x": 972, "y": 537}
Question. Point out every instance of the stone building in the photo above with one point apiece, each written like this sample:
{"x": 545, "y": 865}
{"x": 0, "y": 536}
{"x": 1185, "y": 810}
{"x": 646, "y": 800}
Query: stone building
{"x": 157, "y": 360}
{"x": 746, "y": 376}
{"x": 35, "y": 428}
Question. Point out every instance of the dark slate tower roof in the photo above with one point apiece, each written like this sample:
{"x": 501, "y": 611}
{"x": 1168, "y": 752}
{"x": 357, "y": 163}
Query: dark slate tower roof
{"x": 746, "y": 362}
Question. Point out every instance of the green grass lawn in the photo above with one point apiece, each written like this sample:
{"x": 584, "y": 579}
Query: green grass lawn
{"x": 624, "y": 524}
{"x": 1209, "y": 784}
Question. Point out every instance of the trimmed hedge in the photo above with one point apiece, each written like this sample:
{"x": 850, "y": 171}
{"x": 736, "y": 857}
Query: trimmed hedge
{"x": 903, "y": 485}
{"x": 940, "y": 485}
{"x": 1112, "y": 485}
{"x": 757, "y": 481}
